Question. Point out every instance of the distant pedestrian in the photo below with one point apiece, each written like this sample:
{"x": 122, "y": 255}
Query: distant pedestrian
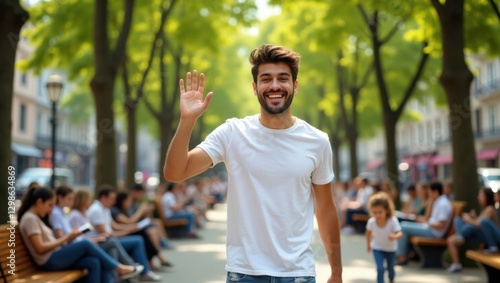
{"x": 382, "y": 231}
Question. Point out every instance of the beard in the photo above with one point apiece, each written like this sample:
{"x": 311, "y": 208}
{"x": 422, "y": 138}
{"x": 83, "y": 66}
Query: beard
{"x": 275, "y": 109}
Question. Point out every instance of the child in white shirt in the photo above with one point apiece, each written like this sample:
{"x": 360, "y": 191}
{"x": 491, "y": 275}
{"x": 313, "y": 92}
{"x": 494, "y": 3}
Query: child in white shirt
{"x": 382, "y": 231}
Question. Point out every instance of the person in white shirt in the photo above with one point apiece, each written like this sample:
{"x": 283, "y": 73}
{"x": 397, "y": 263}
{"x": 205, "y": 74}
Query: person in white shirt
{"x": 99, "y": 215}
{"x": 174, "y": 208}
{"x": 382, "y": 231}
{"x": 280, "y": 173}
{"x": 435, "y": 227}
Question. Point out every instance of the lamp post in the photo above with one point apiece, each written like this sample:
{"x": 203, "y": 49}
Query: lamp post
{"x": 54, "y": 86}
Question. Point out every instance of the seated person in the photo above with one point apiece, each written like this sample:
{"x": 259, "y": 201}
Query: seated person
{"x": 434, "y": 227}
{"x": 173, "y": 208}
{"x": 359, "y": 206}
{"x": 61, "y": 254}
{"x": 140, "y": 208}
{"x": 61, "y": 226}
{"x": 490, "y": 227}
{"x": 202, "y": 200}
{"x": 467, "y": 227}
{"x": 99, "y": 216}
{"x": 120, "y": 214}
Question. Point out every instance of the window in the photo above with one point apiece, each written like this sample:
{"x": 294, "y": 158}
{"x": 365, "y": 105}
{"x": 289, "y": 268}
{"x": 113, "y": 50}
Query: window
{"x": 421, "y": 137}
{"x": 437, "y": 130}
{"x": 22, "y": 118}
{"x": 490, "y": 73}
{"x": 429, "y": 132}
{"x": 24, "y": 79}
{"x": 38, "y": 123}
{"x": 491, "y": 118}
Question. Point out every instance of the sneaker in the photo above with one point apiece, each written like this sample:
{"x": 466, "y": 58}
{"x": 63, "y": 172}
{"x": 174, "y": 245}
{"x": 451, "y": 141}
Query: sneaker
{"x": 151, "y": 276}
{"x": 455, "y": 268}
{"x": 137, "y": 270}
{"x": 491, "y": 250}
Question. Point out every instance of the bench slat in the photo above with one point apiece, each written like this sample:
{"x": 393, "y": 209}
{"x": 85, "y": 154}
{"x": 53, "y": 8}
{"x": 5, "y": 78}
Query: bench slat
{"x": 489, "y": 259}
{"x": 26, "y": 269}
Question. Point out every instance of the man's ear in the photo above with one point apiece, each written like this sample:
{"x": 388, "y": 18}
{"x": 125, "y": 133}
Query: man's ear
{"x": 254, "y": 86}
{"x": 295, "y": 87}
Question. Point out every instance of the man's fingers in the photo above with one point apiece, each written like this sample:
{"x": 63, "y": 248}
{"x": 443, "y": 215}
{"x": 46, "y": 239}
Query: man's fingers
{"x": 206, "y": 102}
{"x": 188, "y": 81}
{"x": 201, "y": 87}
{"x": 181, "y": 86}
{"x": 195, "y": 80}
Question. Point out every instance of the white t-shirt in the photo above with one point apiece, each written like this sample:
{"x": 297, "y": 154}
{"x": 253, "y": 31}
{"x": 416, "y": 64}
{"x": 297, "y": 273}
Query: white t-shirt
{"x": 59, "y": 220}
{"x": 442, "y": 210}
{"x": 99, "y": 215}
{"x": 167, "y": 201}
{"x": 270, "y": 202}
{"x": 380, "y": 235}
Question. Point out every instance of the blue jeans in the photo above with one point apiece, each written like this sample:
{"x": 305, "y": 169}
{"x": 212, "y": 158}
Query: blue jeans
{"x": 80, "y": 255}
{"x": 491, "y": 232}
{"x": 467, "y": 230}
{"x": 134, "y": 245}
{"x": 379, "y": 260}
{"x": 189, "y": 216}
{"x": 410, "y": 229}
{"x": 243, "y": 278}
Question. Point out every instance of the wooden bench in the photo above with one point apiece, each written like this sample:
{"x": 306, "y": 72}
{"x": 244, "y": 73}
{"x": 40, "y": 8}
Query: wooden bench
{"x": 360, "y": 221}
{"x": 488, "y": 262}
{"x": 17, "y": 266}
{"x": 175, "y": 228}
{"x": 430, "y": 250}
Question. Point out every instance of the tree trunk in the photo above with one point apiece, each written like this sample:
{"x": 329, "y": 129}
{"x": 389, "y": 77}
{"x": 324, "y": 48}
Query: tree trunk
{"x": 131, "y": 109}
{"x": 391, "y": 156}
{"x": 456, "y": 79}
{"x": 352, "y": 139}
{"x": 106, "y": 63}
{"x": 12, "y": 18}
{"x": 105, "y": 166}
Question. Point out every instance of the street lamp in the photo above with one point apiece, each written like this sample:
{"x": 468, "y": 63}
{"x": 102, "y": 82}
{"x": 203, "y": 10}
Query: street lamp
{"x": 54, "y": 86}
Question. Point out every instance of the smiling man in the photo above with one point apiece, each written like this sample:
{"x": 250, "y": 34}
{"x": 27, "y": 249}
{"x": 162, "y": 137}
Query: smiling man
{"x": 280, "y": 174}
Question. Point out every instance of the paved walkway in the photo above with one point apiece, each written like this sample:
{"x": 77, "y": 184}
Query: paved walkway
{"x": 203, "y": 261}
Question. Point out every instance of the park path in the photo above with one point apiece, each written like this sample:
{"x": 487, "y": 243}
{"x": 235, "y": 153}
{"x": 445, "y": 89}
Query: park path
{"x": 203, "y": 260}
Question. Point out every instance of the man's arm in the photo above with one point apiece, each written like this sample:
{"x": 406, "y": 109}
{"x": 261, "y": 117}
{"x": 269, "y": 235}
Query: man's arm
{"x": 329, "y": 228}
{"x": 181, "y": 163}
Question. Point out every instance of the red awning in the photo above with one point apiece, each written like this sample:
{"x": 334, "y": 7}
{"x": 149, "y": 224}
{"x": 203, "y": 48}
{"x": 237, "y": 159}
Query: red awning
{"x": 374, "y": 164}
{"x": 441, "y": 159}
{"x": 488, "y": 154}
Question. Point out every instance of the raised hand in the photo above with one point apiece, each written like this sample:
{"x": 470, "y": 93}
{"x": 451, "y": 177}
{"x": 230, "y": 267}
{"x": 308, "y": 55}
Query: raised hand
{"x": 192, "y": 104}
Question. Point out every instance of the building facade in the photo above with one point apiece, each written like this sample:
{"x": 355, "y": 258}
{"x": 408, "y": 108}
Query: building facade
{"x": 424, "y": 146}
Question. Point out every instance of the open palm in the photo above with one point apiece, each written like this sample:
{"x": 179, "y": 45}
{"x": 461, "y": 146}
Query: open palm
{"x": 192, "y": 104}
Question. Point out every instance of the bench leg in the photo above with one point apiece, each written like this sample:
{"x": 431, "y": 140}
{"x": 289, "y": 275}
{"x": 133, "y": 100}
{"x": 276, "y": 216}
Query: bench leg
{"x": 492, "y": 273}
{"x": 430, "y": 256}
{"x": 360, "y": 227}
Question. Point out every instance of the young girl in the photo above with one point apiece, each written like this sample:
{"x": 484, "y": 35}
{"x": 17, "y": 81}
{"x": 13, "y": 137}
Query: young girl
{"x": 59, "y": 254}
{"x": 382, "y": 231}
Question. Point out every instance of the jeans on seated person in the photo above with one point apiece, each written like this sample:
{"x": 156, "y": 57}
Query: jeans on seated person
{"x": 244, "y": 278}
{"x": 134, "y": 245}
{"x": 80, "y": 255}
{"x": 189, "y": 216}
{"x": 491, "y": 232}
{"x": 410, "y": 229}
{"x": 467, "y": 230}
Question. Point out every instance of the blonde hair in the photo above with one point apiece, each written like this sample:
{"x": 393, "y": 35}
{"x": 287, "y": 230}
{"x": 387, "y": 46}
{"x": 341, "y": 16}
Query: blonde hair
{"x": 80, "y": 200}
{"x": 383, "y": 200}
